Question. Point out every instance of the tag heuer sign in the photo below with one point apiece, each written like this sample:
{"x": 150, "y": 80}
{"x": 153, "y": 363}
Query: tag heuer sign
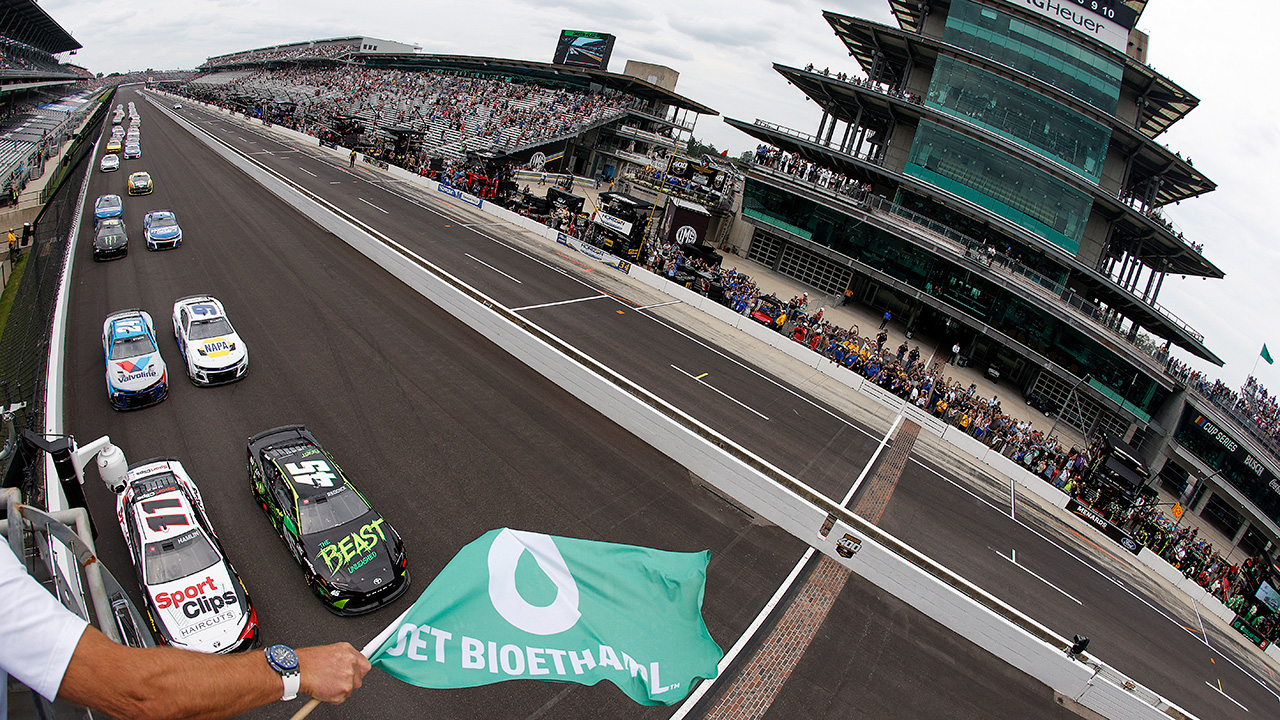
{"x": 848, "y": 546}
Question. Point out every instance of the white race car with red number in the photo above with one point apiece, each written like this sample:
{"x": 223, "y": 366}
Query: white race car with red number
{"x": 195, "y": 600}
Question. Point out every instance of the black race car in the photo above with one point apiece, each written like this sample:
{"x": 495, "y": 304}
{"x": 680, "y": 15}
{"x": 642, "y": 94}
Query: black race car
{"x": 353, "y": 559}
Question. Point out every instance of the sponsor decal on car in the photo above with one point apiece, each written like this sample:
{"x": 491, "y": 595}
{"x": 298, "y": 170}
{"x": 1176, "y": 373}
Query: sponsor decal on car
{"x": 217, "y": 348}
{"x": 353, "y": 550}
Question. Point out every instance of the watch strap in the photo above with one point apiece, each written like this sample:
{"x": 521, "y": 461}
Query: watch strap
{"x": 292, "y": 681}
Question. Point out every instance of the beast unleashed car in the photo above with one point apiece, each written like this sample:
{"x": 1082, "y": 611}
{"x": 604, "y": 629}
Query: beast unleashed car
{"x": 213, "y": 352}
{"x": 352, "y": 558}
{"x": 162, "y": 230}
{"x": 140, "y": 183}
{"x": 110, "y": 240}
{"x": 136, "y": 375}
{"x": 195, "y": 599}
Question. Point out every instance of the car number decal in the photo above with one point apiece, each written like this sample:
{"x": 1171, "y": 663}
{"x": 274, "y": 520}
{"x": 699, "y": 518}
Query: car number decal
{"x": 316, "y": 473}
{"x": 129, "y": 326}
{"x": 157, "y": 521}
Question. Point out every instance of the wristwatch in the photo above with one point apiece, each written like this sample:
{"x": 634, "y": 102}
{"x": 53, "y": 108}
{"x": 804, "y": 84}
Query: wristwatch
{"x": 284, "y": 660}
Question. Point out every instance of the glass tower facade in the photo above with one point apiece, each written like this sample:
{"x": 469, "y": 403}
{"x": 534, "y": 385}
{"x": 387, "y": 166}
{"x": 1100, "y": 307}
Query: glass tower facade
{"x": 960, "y": 289}
{"x": 1039, "y": 52}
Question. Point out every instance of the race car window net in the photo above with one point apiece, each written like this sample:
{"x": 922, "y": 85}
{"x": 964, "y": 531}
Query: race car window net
{"x": 179, "y": 557}
{"x": 216, "y": 327}
{"x": 317, "y": 514}
{"x": 131, "y": 347}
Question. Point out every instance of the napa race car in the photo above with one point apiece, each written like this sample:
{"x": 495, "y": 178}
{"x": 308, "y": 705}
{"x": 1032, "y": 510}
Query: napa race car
{"x": 136, "y": 374}
{"x": 195, "y": 599}
{"x": 352, "y": 558}
{"x": 110, "y": 240}
{"x": 140, "y": 183}
{"x": 213, "y": 352}
{"x": 107, "y": 206}
{"x": 162, "y": 230}
{"x": 113, "y": 145}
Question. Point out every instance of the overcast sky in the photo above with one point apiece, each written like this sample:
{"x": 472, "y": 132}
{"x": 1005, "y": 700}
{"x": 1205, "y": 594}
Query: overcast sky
{"x": 724, "y": 51}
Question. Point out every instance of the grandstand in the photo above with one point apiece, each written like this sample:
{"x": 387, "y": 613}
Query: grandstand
{"x": 32, "y": 85}
{"x": 412, "y": 108}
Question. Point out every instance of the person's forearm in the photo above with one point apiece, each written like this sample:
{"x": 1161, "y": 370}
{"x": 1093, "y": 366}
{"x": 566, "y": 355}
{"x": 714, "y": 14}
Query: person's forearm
{"x": 164, "y": 682}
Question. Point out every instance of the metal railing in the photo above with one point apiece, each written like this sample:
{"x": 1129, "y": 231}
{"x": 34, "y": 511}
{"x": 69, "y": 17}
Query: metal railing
{"x": 639, "y": 109}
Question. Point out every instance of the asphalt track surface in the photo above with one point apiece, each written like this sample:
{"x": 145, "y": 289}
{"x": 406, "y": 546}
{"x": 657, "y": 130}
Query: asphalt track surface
{"x": 450, "y": 436}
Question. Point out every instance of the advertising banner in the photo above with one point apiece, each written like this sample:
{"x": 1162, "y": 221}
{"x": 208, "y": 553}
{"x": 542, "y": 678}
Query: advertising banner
{"x": 1107, "y": 527}
{"x": 515, "y": 605}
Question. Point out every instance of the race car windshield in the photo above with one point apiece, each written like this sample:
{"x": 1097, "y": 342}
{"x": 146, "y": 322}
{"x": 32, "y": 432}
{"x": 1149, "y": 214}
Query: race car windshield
{"x": 111, "y": 204}
{"x": 131, "y": 347}
{"x": 317, "y": 514}
{"x": 210, "y": 328}
{"x": 164, "y": 222}
{"x": 179, "y": 557}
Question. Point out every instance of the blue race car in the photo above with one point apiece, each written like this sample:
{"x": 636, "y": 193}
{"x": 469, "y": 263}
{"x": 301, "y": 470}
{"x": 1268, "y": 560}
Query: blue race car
{"x": 107, "y": 206}
{"x": 136, "y": 374}
{"x": 162, "y": 230}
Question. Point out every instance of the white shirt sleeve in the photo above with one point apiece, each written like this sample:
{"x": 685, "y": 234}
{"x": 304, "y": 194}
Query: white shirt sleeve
{"x": 37, "y": 634}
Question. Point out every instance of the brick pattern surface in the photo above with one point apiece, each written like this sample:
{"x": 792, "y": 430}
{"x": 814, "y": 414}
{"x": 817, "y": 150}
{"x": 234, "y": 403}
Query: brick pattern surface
{"x": 751, "y": 693}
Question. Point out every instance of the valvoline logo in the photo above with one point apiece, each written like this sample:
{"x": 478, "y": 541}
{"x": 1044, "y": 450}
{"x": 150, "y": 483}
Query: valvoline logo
{"x": 129, "y": 366}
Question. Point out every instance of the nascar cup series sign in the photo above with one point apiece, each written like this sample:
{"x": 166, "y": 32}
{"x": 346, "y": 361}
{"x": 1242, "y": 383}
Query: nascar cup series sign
{"x": 521, "y": 605}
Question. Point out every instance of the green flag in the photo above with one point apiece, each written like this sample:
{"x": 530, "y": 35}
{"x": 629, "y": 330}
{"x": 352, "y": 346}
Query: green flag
{"x": 1266, "y": 355}
{"x": 520, "y": 605}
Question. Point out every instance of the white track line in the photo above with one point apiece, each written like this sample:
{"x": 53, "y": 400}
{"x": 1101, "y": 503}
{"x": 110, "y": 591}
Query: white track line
{"x": 1012, "y": 558}
{"x": 721, "y": 392}
{"x": 1215, "y": 687}
{"x": 866, "y": 469}
{"x": 308, "y": 172}
{"x": 562, "y": 302}
{"x": 473, "y": 257}
{"x": 752, "y": 629}
{"x": 375, "y": 207}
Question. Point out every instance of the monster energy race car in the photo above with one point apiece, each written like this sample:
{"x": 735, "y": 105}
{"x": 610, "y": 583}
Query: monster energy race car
{"x": 353, "y": 560}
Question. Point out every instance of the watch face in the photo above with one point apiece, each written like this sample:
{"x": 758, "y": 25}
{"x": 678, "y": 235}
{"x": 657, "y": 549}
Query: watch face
{"x": 283, "y": 657}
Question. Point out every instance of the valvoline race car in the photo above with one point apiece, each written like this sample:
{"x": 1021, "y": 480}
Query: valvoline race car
{"x": 195, "y": 599}
{"x": 214, "y": 353}
{"x": 136, "y": 374}
{"x": 353, "y": 560}
{"x": 162, "y": 230}
{"x": 107, "y": 206}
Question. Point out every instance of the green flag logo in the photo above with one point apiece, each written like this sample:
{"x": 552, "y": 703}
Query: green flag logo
{"x": 1266, "y": 355}
{"x": 520, "y": 605}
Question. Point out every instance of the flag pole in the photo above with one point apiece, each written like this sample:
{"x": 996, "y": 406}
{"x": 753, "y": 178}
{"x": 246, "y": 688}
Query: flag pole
{"x": 369, "y": 649}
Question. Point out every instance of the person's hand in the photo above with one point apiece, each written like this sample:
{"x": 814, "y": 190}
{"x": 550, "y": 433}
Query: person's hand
{"x": 331, "y": 672}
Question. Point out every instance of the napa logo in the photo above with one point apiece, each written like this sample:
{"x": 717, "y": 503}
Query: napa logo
{"x": 217, "y": 348}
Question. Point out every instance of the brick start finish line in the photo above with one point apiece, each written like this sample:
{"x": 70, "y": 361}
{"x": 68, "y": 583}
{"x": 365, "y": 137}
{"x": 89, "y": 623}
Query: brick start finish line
{"x": 757, "y": 684}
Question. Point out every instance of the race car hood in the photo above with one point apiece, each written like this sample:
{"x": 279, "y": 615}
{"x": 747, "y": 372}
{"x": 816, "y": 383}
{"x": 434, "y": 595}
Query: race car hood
{"x": 355, "y": 556}
{"x": 216, "y": 352}
{"x": 137, "y": 373}
{"x": 204, "y": 612}
{"x": 110, "y": 242}
{"x": 164, "y": 233}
